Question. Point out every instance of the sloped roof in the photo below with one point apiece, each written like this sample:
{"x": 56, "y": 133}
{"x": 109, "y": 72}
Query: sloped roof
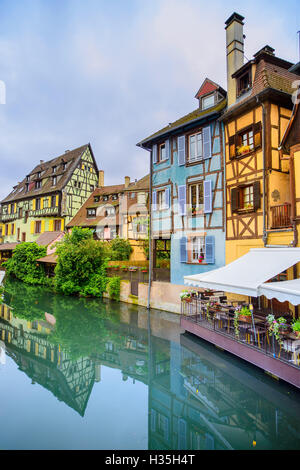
{"x": 49, "y": 259}
{"x": 187, "y": 119}
{"x": 71, "y": 158}
{"x": 8, "y": 246}
{"x": 271, "y": 73}
{"x": 80, "y": 219}
{"x": 48, "y": 237}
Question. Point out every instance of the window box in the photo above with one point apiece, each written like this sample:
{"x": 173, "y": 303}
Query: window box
{"x": 245, "y": 142}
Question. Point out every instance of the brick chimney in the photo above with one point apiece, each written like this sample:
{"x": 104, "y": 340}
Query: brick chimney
{"x": 101, "y": 179}
{"x": 234, "y": 52}
{"x": 127, "y": 181}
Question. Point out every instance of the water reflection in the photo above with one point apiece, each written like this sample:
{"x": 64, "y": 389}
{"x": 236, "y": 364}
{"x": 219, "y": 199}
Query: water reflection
{"x": 198, "y": 397}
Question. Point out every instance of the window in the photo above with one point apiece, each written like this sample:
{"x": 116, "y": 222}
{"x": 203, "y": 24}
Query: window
{"x": 38, "y": 226}
{"x": 26, "y": 187}
{"x": 243, "y": 83}
{"x": 6, "y": 229}
{"x": 114, "y": 197}
{"x": 54, "y": 169}
{"x": 92, "y": 187}
{"x": 53, "y": 201}
{"x": 198, "y": 249}
{"x": 20, "y": 212}
{"x": 195, "y": 147}
{"x": 27, "y": 178}
{"x": 54, "y": 180}
{"x": 105, "y": 198}
{"x": 96, "y": 198}
{"x": 246, "y": 197}
{"x": 75, "y": 184}
{"x": 91, "y": 212}
{"x": 57, "y": 225}
{"x": 38, "y": 184}
{"x": 12, "y": 208}
{"x": 38, "y": 174}
{"x": 64, "y": 165}
{"x": 162, "y": 152}
{"x": 132, "y": 195}
{"x": 161, "y": 200}
{"x": 37, "y": 204}
{"x": 196, "y": 197}
{"x": 208, "y": 101}
{"x": 245, "y": 141}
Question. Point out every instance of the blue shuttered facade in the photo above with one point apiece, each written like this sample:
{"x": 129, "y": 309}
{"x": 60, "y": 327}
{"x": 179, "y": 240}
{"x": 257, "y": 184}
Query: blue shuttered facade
{"x": 188, "y": 193}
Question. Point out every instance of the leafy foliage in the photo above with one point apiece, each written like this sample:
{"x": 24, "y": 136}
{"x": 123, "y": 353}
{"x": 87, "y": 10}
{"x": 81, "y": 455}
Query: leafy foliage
{"x": 114, "y": 287}
{"x": 120, "y": 249}
{"x": 23, "y": 263}
{"x": 81, "y": 267}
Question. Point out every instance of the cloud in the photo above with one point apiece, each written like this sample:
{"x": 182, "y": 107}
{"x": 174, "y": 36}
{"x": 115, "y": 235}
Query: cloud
{"x": 112, "y": 73}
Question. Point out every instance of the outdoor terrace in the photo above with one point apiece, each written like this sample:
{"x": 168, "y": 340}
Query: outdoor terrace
{"x": 212, "y": 318}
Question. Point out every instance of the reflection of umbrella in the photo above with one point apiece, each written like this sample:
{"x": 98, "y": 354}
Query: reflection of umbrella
{"x": 2, "y": 353}
{"x": 50, "y": 318}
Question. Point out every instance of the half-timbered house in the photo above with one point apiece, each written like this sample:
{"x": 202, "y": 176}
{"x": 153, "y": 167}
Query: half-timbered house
{"x": 49, "y": 196}
{"x": 187, "y": 187}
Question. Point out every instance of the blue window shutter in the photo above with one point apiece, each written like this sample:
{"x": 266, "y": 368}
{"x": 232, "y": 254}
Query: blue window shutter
{"x": 206, "y": 142}
{"x": 167, "y": 198}
{"x": 182, "y": 200}
{"x": 168, "y": 148}
{"x": 207, "y": 192}
{"x": 154, "y": 200}
{"x": 183, "y": 250}
{"x": 210, "y": 249}
{"x": 182, "y": 441}
{"x": 181, "y": 150}
{"x": 154, "y": 154}
{"x": 153, "y": 420}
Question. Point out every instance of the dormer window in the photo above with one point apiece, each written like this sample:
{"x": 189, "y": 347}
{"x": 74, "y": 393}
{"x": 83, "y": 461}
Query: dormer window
{"x": 208, "y": 101}
{"x": 27, "y": 178}
{"x": 64, "y": 165}
{"x": 54, "y": 169}
{"x": 243, "y": 82}
{"x": 96, "y": 198}
{"x": 38, "y": 184}
{"x": 38, "y": 174}
{"x": 91, "y": 212}
{"x": 54, "y": 180}
{"x": 114, "y": 197}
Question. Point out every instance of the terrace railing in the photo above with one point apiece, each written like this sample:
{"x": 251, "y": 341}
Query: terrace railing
{"x": 281, "y": 216}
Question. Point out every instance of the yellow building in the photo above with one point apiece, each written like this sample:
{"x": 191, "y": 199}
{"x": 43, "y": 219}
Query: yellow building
{"x": 258, "y": 199}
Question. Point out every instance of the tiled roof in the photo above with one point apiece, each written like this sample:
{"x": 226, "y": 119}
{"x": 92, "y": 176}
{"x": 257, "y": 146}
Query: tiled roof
{"x": 188, "y": 118}
{"x": 48, "y": 259}
{"x": 48, "y": 237}
{"x": 8, "y": 246}
{"x": 268, "y": 75}
{"x": 81, "y": 219}
{"x": 70, "y": 158}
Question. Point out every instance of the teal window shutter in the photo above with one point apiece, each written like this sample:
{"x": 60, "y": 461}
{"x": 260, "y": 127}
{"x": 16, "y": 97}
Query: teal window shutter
{"x": 206, "y": 134}
{"x": 181, "y": 150}
{"x": 183, "y": 250}
{"x": 168, "y": 148}
{"x": 154, "y": 200}
{"x": 182, "y": 200}
{"x": 167, "y": 198}
{"x": 154, "y": 153}
{"x": 210, "y": 249}
{"x": 207, "y": 193}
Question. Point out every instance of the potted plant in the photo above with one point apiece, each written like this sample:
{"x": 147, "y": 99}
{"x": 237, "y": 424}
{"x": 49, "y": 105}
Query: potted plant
{"x": 144, "y": 269}
{"x": 244, "y": 314}
{"x": 208, "y": 292}
{"x": 133, "y": 268}
{"x": 243, "y": 149}
{"x": 116, "y": 267}
{"x": 124, "y": 268}
{"x": 296, "y": 327}
{"x": 275, "y": 326}
{"x": 185, "y": 296}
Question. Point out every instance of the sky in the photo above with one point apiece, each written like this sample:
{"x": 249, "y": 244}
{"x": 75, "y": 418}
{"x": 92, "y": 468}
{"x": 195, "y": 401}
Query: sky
{"x": 112, "y": 72}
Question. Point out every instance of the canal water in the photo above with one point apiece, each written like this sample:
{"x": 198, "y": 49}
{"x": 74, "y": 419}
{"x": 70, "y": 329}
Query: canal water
{"x": 87, "y": 374}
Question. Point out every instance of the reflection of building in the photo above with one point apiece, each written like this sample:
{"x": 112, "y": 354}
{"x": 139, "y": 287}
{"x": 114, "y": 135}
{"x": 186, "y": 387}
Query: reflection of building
{"x": 200, "y": 401}
{"x": 47, "y": 363}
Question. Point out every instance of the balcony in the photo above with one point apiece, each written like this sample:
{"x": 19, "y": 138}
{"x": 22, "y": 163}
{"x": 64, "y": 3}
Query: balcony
{"x": 281, "y": 216}
{"x": 254, "y": 343}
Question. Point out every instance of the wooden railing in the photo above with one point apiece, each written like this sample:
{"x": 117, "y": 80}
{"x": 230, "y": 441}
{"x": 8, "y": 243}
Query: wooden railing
{"x": 281, "y": 216}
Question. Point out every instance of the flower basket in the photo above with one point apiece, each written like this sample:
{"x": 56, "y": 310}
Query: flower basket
{"x": 245, "y": 318}
{"x": 187, "y": 299}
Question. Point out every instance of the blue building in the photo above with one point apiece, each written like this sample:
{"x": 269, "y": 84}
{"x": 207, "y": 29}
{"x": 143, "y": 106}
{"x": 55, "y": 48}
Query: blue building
{"x": 187, "y": 200}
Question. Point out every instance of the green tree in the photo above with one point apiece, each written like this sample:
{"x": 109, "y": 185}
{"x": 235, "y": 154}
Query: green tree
{"x": 23, "y": 264}
{"x": 120, "y": 249}
{"x": 81, "y": 266}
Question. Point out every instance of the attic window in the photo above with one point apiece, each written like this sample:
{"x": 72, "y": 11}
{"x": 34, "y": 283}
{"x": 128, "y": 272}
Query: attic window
{"x": 91, "y": 212}
{"x": 114, "y": 197}
{"x": 96, "y": 198}
{"x": 54, "y": 169}
{"x": 208, "y": 101}
{"x": 243, "y": 83}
